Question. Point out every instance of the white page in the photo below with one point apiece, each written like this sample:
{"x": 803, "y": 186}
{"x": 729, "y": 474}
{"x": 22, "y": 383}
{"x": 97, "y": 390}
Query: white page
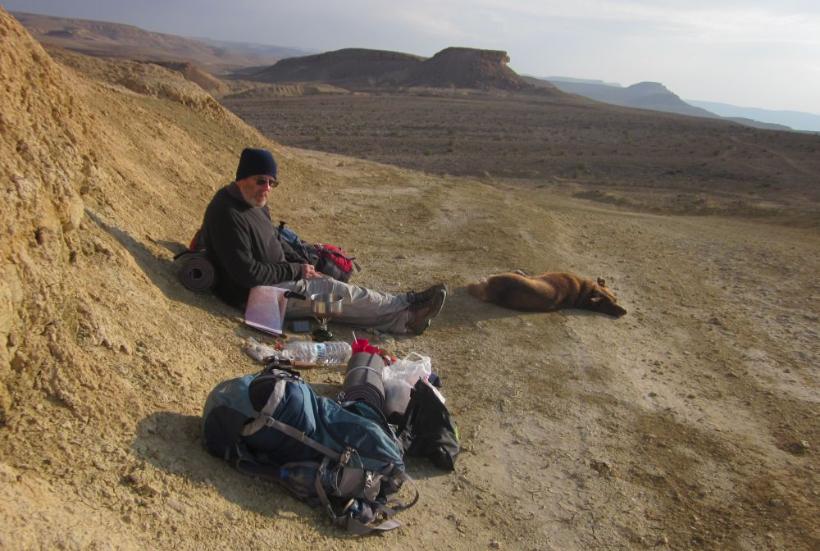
{"x": 266, "y": 309}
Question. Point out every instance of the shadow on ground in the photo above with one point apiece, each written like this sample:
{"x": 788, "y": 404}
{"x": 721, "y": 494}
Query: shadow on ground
{"x": 162, "y": 271}
{"x": 171, "y": 442}
{"x": 461, "y": 309}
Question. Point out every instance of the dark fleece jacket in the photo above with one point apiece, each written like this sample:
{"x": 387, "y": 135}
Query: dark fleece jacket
{"x": 242, "y": 244}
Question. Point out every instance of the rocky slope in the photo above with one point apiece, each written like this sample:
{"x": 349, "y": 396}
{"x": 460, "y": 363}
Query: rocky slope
{"x": 88, "y": 166}
{"x": 190, "y": 71}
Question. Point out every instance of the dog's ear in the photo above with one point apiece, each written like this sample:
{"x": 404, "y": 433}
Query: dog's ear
{"x": 601, "y": 282}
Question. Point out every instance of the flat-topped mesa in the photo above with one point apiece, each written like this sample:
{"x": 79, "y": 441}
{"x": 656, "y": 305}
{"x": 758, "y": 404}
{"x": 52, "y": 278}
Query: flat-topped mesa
{"x": 467, "y": 68}
{"x": 450, "y": 68}
{"x": 649, "y": 88}
{"x": 466, "y": 54}
{"x": 340, "y": 66}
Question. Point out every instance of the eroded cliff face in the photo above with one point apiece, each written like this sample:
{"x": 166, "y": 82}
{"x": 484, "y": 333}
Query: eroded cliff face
{"x": 90, "y": 152}
{"x": 45, "y": 160}
{"x": 467, "y": 68}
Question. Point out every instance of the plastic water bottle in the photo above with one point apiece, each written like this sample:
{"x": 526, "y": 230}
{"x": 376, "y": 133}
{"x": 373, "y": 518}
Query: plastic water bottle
{"x": 320, "y": 353}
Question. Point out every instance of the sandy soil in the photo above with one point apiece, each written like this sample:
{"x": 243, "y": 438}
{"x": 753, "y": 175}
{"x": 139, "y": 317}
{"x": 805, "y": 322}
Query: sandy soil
{"x": 689, "y": 423}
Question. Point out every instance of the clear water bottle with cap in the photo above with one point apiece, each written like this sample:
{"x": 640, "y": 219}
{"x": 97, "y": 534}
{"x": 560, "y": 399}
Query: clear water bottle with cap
{"x": 319, "y": 353}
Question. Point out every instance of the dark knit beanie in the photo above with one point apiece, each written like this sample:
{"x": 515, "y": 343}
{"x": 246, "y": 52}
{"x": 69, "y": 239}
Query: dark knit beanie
{"x": 255, "y": 162}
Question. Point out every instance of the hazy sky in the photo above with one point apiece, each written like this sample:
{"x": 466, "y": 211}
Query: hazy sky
{"x": 760, "y": 53}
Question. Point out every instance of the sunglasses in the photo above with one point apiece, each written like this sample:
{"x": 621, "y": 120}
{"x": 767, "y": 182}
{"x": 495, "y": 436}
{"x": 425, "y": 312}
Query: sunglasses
{"x": 272, "y": 182}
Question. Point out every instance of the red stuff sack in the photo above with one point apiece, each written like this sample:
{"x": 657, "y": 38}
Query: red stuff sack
{"x": 334, "y": 262}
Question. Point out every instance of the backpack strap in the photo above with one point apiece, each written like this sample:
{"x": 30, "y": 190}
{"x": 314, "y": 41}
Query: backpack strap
{"x": 265, "y": 419}
{"x": 296, "y": 434}
{"x": 348, "y": 522}
{"x": 267, "y": 412}
{"x": 395, "y": 505}
{"x": 356, "y": 527}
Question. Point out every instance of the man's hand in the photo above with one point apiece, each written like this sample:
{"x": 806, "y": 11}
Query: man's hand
{"x": 309, "y": 272}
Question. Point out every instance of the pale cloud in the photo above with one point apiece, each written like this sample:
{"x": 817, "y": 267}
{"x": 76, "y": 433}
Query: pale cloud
{"x": 425, "y": 21}
{"x": 711, "y": 21}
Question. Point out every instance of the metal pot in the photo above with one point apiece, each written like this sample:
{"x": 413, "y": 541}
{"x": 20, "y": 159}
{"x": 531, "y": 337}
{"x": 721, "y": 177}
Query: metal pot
{"x": 325, "y": 305}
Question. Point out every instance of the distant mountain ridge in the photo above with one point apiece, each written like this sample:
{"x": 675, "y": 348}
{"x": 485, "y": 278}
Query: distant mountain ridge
{"x": 452, "y": 67}
{"x": 797, "y": 120}
{"x": 643, "y": 95}
{"x": 102, "y": 38}
{"x": 654, "y": 96}
{"x": 581, "y": 81}
{"x": 254, "y": 49}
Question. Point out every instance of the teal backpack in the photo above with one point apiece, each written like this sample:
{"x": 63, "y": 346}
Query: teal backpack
{"x": 343, "y": 457}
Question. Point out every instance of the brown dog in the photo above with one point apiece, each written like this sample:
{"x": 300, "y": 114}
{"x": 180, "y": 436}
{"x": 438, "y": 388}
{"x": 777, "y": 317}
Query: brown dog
{"x": 546, "y": 292}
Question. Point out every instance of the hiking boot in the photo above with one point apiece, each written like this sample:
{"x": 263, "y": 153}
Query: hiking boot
{"x": 414, "y": 298}
{"x": 425, "y": 311}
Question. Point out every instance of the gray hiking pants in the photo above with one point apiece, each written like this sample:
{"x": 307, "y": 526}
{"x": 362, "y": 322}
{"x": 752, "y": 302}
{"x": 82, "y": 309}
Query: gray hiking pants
{"x": 361, "y": 307}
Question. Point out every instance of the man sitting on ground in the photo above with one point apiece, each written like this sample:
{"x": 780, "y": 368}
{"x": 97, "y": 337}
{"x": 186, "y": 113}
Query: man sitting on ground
{"x": 243, "y": 246}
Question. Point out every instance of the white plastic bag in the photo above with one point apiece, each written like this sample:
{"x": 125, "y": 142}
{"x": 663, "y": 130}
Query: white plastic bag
{"x": 410, "y": 369}
{"x": 259, "y": 351}
{"x": 399, "y": 379}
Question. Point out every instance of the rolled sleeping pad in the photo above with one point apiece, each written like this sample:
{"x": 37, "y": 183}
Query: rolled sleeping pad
{"x": 363, "y": 380}
{"x": 196, "y": 272}
{"x": 365, "y": 383}
{"x": 365, "y": 359}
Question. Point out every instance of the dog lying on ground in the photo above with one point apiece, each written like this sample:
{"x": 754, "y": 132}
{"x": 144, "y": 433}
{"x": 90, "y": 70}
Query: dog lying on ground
{"x": 546, "y": 292}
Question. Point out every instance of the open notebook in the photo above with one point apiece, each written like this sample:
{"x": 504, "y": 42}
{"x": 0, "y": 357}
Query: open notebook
{"x": 266, "y": 309}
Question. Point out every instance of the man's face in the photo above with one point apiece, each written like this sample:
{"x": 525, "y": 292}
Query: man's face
{"x": 255, "y": 189}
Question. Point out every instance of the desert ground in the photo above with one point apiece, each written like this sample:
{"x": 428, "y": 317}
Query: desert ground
{"x": 637, "y": 158}
{"x": 690, "y": 423}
